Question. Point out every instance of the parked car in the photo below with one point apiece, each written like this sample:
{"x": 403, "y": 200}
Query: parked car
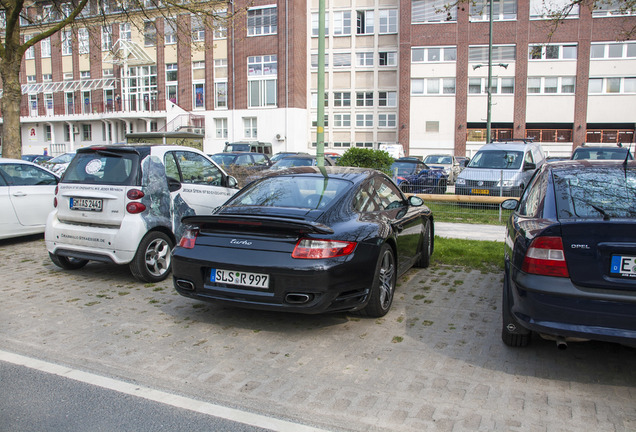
{"x": 414, "y": 176}
{"x": 602, "y": 152}
{"x": 124, "y": 204}
{"x": 570, "y": 255}
{"x": 36, "y": 158}
{"x": 58, "y": 164}
{"x": 297, "y": 160}
{"x": 500, "y": 169}
{"x": 26, "y": 197}
{"x": 448, "y": 163}
{"x": 278, "y": 156}
{"x": 250, "y": 161}
{"x": 248, "y": 146}
{"x": 306, "y": 240}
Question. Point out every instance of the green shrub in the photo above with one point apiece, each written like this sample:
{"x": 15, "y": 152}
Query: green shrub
{"x": 367, "y": 158}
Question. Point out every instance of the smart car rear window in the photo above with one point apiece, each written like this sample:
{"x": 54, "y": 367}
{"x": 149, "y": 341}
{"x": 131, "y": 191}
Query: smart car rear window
{"x": 103, "y": 167}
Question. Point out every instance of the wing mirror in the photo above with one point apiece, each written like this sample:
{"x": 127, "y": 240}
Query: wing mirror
{"x": 510, "y": 204}
{"x": 415, "y": 201}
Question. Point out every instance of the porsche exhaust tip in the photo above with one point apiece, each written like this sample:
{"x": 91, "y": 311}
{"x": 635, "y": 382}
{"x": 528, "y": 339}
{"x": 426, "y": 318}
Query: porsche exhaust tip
{"x": 185, "y": 284}
{"x": 297, "y": 298}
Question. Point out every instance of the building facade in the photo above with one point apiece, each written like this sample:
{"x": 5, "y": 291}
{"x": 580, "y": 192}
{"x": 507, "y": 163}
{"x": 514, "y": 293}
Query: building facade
{"x": 402, "y": 72}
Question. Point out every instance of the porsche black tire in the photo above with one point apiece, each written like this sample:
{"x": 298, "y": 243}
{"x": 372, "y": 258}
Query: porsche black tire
{"x": 67, "y": 263}
{"x": 152, "y": 262}
{"x": 426, "y": 247}
{"x": 383, "y": 288}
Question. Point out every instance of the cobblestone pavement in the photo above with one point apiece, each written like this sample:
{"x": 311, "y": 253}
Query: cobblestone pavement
{"x": 435, "y": 362}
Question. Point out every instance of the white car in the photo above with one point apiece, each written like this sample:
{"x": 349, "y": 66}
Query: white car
{"x": 58, "y": 164}
{"x": 123, "y": 204}
{"x": 26, "y": 197}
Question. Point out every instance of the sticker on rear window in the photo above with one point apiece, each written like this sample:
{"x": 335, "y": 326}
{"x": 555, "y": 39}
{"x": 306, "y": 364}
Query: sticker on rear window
{"x": 93, "y": 166}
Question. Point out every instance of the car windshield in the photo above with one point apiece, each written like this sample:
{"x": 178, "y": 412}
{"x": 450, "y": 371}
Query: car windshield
{"x": 223, "y": 159}
{"x": 405, "y": 168}
{"x": 237, "y": 147}
{"x": 103, "y": 167}
{"x": 497, "y": 159}
{"x": 292, "y": 191}
{"x": 596, "y": 192}
{"x": 601, "y": 153}
{"x": 438, "y": 159}
{"x": 293, "y": 162}
{"x": 63, "y": 158}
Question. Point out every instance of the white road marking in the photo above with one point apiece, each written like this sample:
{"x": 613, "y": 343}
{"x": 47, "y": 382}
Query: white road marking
{"x": 232, "y": 414}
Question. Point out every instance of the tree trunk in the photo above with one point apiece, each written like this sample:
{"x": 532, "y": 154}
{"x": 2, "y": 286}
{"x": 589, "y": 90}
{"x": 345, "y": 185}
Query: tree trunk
{"x": 11, "y": 99}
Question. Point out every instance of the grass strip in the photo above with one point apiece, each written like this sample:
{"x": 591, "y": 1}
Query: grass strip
{"x": 487, "y": 256}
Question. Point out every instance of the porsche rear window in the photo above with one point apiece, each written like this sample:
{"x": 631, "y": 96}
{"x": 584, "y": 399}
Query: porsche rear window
{"x": 596, "y": 192}
{"x": 103, "y": 167}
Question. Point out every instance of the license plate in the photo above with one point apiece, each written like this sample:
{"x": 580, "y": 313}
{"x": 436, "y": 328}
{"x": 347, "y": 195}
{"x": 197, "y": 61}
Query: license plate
{"x": 253, "y": 280}
{"x": 480, "y": 191}
{"x": 86, "y": 204}
{"x": 623, "y": 266}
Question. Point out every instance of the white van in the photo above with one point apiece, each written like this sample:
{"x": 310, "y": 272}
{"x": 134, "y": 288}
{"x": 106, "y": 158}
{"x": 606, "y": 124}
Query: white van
{"x": 124, "y": 204}
{"x": 500, "y": 169}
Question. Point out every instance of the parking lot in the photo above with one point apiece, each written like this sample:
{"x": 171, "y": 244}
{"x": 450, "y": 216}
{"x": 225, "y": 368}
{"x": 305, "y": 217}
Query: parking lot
{"x": 435, "y": 362}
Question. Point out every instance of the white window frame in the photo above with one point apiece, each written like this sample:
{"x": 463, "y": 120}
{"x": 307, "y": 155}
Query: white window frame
{"x": 543, "y": 80}
{"x": 446, "y": 54}
{"x": 341, "y": 120}
{"x": 45, "y": 48}
{"x": 262, "y": 78}
{"x": 364, "y": 120}
{"x": 197, "y": 26}
{"x": 365, "y": 22}
{"x": 107, "y": 37}
{"x": 391, "y": 58}
{"x": 387, "y": 120}
{"x": 364, "y": 59}
{"x": 125, "y": 32}
{"x": 426, "y": 12}
{"x": 250, "y": 127}
{"x": 220, "y": 94}
{"x": 220, "y": 126}
{"x": 341, "y": 60}
{"x": 342, "y": 99}
{"x": 196, "y": 104}
{"x": 610, "y": 10}
{"x": 30, "y": 53}
{"x": 500, "y": 53}
{"x": 388, "y": 21}
{"x": 432, "y": 86}
{"x": 540, "y": 10}
{"x": 83, "y": 45}
{"x": 387, "y": 99}
{"x": 532, "y": 48}
{"x": 314, "y": 25}
{"x": 67, "y": 42}
{"x": 341, "y": 23}
{"x": 605, "y": 81}
{"x": 366, "y": 97}
{"x": 170, "y": 31}
{"x": 480, "y": 10}
{"x": 262, "y": 21}
{"x": 628, "y": 50}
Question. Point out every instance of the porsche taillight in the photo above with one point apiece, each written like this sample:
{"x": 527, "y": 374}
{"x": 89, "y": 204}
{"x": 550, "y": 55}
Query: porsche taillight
{"x": 546, "y": 257}
{"x": 319, "y": 249}
{"x": 189, "y": 238}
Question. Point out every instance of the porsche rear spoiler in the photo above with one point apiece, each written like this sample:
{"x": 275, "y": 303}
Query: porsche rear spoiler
{"x": 245, "y": 222}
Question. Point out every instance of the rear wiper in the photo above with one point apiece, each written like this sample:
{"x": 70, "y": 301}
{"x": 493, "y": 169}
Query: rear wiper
{"x": 601, "y": 211}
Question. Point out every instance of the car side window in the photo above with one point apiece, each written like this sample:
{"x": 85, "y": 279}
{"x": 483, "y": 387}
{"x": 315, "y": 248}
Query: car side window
{"x": 528, "y": 158}
{"x": 366, "y": 200}
{"x": 532, "y": 200}
{"x": 245, "y": 159}
{"x": 171, "y": 166}
{"x": 26, "y": 175}
{"x": 390, "y": 197}
{"x": 259, "y": 159}
{"x": 196, "y": 169}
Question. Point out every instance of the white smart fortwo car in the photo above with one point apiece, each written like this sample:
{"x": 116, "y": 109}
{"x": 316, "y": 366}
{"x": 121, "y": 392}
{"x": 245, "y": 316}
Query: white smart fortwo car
{"x": 123, "y": 204}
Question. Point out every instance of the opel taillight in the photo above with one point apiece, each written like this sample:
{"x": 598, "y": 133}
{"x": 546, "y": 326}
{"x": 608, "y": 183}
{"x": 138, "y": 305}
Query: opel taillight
{"x": 319, "y": 249}
{"x": 546, "y": 257}
{"x": 189, "y": 238}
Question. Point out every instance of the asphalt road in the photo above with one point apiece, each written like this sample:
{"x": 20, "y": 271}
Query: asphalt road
{"x": 435, "y": 362}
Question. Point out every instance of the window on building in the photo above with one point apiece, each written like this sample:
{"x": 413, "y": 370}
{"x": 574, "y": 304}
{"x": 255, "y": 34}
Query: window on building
{"x": 30, "y": 53}
{"x": 341, "y": 120}
{"x": 262, "y": 84}
{"x": 364, "y": 98}
{"x": 387, "y": 58}
{"x": 433, "y": 86}
{"x": 87, "y": 132}
{"x": 150, "y": 34}
{"x": 613, "y": 8}
{"x": 314, "y": 100}
{"x": 220, "y": 94}
{"x": 220, "y": 68}
{"x": 315, "y": 24}
{"x": 364, "y": 144}
{"x": 551, "y": 85}
{"x": 67, "y": 42}
{"x": 220, "y": 26}
{"x": 107, "y": 37}
{"x": 612, "y": 85}
{"x": 502, "y": 10}
{"x": 314, "y": 60}
{"x": 220, "y": 126}
{"x": 432, "y": 126}
{"x": 341, "y": 23}
{"x": 342, "y": 99}
{"x": 342, "y": 144}
{"x": 45, "y": 47}
{"x": 82, "y": 41}
{"x": 364, "y": 22}
{"x": 198, "y": 92}
{"x": 48, "y": 133}
{"x": 499, "y": 53}
{"x": 364, "y": 59}
{"x": 614, "y": 50}
{"x": 125, "y": 32}
{"x": 262, "y": 21}
{"x": 432, "y": 11}
{"x": 388, "y": 21}
{"x": 387, "y": 99}
{"x": 172, "y": 72}
{"x": 171, "y": 92}
{"x": 541, "y": 9}
{"x": 388, "y": 120}
{"x": 341, "y": 60}
{"x": 364, "y": 120}
{"x": 170, "y": 31}
{"x": 47, "y": 77}
{"x": 31, "y": 78}
{"x": 433, "y": 54}
{"x": 198, "y": 28}
{"x": 552, "y": 52}
{"x": 250, "y": 129}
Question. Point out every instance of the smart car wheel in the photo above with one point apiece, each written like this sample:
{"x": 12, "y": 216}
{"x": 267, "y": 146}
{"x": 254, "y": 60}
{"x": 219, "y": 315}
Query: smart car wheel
{"x": 67, "y": 263}
{"x": 383, "y": 288}
{"x": 152, "y": 260}
{"x": 426, "y": 247}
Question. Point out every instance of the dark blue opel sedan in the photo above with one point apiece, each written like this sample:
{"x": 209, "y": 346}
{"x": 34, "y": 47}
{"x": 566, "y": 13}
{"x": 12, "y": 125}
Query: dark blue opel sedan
{"x": 570, "y": 255}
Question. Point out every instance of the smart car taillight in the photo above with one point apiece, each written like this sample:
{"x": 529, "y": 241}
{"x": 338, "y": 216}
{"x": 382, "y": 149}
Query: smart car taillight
{"x": 546, "y": 257}
{"x": 134, "y": 194}
{"x": 135, "y": 207}
{"x": 189, "y": 238}
{"x": 319, "y": 249}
